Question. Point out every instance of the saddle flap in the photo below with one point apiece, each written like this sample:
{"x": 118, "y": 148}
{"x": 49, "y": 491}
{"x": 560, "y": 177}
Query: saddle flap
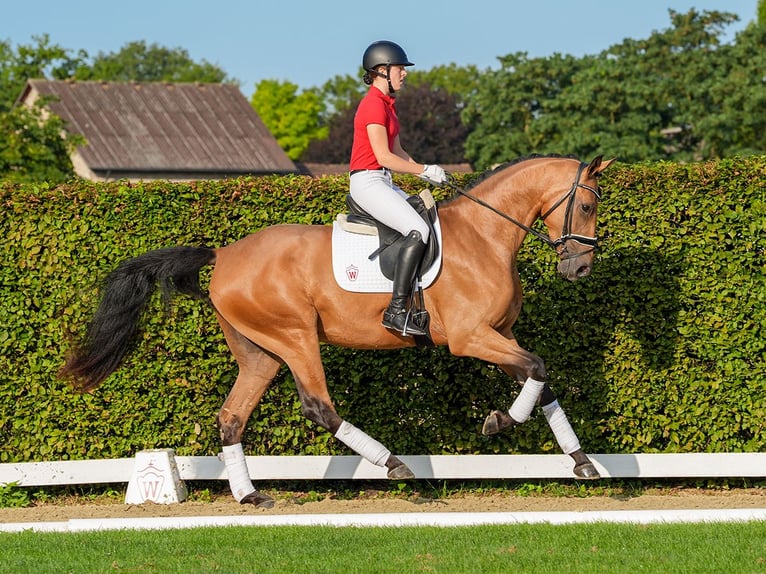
{"x": 354, "y": 271}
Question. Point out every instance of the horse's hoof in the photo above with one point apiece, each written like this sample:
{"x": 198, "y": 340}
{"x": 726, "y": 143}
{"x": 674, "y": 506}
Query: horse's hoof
{"x": 258, "y": 499}
{"x": 495, "y": 422}
{"x": 586, "y": 471}
{"x": 401, "y": 472}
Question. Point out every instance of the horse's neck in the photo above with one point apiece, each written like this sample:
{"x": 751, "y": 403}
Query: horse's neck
{"x": 482, "y": 230}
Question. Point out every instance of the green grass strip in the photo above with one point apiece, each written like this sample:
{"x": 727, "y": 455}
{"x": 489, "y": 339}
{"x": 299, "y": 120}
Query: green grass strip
{"x": 529, "y": 548}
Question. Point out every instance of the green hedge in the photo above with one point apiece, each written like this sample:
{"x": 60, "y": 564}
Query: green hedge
{"x": 660, "y": 350}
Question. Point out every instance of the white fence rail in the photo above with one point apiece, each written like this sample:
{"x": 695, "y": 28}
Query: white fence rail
{"x": 439, "y": 467}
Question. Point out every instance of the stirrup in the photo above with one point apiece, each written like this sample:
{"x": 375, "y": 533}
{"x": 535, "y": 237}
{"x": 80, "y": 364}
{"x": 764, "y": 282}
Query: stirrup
{"x": 407, "y": 327}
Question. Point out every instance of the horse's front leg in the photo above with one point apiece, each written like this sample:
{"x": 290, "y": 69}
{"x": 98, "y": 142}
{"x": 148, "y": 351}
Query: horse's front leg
{"x": 565, "y": 435}
{"x": 528, "y": 367}
{"x": 557, "y": 420}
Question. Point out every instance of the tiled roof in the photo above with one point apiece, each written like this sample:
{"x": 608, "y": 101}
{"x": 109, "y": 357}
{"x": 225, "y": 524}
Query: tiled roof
{"x": 164, "y": 127}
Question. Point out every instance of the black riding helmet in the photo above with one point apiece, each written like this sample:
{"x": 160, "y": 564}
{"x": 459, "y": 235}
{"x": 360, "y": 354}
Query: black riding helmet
{"x": 383, "y": 53}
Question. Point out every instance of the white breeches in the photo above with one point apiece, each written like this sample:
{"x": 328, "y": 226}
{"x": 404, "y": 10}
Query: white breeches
{"x": 376, "y": 193}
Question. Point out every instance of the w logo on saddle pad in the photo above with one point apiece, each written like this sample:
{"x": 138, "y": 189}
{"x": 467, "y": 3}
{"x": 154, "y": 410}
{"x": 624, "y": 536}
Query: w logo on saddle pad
{"x": 358, "y": 252}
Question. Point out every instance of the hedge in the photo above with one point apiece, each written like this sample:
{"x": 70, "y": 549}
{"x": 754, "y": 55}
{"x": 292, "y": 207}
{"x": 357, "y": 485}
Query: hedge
{"x": 659, "y": 350}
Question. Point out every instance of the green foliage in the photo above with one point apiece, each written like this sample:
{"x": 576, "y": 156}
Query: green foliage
{"x": 292, "y": 118}
{"x": 336, "y": 147}
{"x": 679, "y": 94}
{"x": 30, "y": 61}
{"x": 660, "y": 350}
{"x": 509, "y": 110}
{"x": 432, "y": 131}
{"x": 32, "y": 147}
{"x": 11, "y": 496}
{"x": 733, "y": 122}
{"x": 138, "y": 62}
{"x": 459, "y": 81}
{"x": 341, "y": 93}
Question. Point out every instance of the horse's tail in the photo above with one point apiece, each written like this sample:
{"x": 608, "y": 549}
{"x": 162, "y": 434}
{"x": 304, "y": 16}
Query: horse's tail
{"x": 125, "y": 294}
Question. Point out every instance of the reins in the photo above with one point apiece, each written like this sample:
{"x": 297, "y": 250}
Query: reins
{"x": 566, "y": 234}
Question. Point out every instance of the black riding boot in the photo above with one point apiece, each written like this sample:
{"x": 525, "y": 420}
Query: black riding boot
{"x": 395, "y": 317}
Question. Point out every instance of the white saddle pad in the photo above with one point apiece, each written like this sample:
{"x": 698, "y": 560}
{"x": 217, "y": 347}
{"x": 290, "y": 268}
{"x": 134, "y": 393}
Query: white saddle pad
{"x": 355, "y": 272}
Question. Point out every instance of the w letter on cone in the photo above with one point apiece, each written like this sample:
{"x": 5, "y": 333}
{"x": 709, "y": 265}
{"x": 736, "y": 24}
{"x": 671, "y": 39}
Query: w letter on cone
{"x": 155, "y": 479}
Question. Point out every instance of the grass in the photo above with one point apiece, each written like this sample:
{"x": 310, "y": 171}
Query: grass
{"x": 527, "y": 548}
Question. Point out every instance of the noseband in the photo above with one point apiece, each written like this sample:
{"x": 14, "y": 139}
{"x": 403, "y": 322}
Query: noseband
{"x": 566, "y": 231}
{"x": 566, "y": 234}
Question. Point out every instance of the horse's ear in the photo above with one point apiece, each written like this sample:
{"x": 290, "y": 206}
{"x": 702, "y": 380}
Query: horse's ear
{"x": 598, "y": 165}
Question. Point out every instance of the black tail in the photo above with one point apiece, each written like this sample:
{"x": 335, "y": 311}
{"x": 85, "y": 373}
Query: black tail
{"x": 125, "y": 293}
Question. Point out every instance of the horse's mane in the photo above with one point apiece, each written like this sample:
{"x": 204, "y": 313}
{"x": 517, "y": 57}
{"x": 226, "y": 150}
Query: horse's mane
{"x": 486, "y": 174}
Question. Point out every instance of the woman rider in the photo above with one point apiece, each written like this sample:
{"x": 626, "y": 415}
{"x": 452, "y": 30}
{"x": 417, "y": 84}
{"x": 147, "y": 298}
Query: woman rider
{"x": 375, "y": 153}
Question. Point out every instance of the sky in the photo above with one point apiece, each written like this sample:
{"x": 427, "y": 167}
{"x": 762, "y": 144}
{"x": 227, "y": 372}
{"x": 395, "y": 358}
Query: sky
{"x": 309, "y": 42}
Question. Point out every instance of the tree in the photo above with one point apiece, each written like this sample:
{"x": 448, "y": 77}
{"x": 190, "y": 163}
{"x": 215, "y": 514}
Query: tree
{"x": 293, "y": 118}
{"x": 640, "y": 100}
{"x": 647, "y": 99}
{"x": 510, "y": 103}
{"x": 735, "y": 123}
{"x": 336, "y": 147}
{"x": 340, "y": 94}
{"x": 141, "y": 63}
{"x": 39, "y": 60}
{"x": 33, "y": 149}
{"x": 431, "y": 129}
{"x": 461, "y": 82}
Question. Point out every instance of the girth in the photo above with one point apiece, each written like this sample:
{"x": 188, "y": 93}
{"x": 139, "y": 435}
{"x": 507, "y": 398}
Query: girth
{"x": 390, "y": 240}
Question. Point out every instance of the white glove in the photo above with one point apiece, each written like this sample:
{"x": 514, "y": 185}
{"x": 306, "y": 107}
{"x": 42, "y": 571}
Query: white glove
{"x": 434, "y": 174}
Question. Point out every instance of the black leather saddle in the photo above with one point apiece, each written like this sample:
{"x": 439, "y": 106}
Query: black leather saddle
{"x": 390, "y": 240}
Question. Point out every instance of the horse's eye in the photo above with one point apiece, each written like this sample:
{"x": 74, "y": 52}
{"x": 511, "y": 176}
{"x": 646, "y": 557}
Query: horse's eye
{"x": 586, "y": 208}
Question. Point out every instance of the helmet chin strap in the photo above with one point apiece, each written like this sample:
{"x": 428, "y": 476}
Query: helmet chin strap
{"x": 387, "y": 76}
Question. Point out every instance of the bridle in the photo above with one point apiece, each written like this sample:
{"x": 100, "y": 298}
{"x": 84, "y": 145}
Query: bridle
{"x": 566, "y": 233}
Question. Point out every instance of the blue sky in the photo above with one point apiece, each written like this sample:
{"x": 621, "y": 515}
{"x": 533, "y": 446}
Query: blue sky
{"x": 309, "y": 42}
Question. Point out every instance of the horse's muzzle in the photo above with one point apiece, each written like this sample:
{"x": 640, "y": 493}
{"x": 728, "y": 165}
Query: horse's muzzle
{"x": 577, "y": 267}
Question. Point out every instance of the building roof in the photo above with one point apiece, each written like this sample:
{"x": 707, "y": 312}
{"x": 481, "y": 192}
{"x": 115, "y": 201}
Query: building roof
{"x": 162, "y": 130}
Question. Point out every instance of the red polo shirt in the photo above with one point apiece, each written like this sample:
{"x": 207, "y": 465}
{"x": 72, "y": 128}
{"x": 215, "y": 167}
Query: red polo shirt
{"x": 375, "y": 108}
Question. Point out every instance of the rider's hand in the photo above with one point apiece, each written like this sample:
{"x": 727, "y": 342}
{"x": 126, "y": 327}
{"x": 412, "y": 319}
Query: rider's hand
{"x": 434, "y": 174}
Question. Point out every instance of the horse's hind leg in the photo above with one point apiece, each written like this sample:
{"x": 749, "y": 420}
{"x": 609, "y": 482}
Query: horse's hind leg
{"x": 257, "y": 368}
{"x": 317, "y": 406}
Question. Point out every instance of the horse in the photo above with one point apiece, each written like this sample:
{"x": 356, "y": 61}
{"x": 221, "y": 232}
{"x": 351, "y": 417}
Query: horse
{"x": 275, "y": 298}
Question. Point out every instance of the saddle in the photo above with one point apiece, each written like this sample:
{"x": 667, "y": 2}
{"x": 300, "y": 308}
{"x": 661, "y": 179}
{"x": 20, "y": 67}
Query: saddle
{"x": 357, "y": 220}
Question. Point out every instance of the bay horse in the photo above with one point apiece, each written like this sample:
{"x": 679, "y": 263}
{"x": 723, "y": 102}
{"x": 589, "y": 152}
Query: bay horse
{"x": 276, "y": 300}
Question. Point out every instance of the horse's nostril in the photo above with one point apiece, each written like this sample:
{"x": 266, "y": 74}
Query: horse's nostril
{"x": 584, "y": 271}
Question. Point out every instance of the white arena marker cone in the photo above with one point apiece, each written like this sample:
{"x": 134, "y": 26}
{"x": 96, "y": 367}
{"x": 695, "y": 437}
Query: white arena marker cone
{"x": 155, "y": 478}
